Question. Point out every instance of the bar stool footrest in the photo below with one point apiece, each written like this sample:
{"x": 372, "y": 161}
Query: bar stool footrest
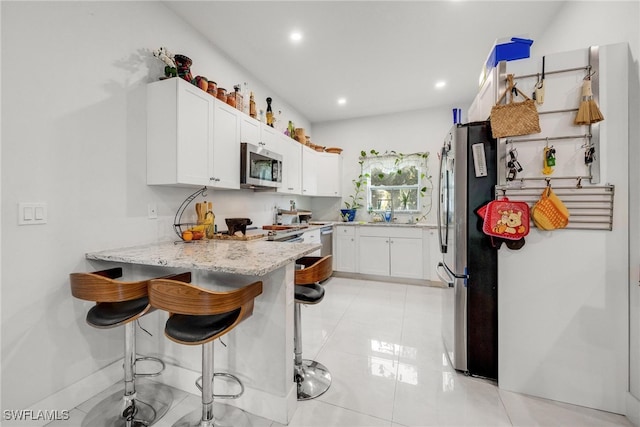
{"x": 149, "y": 359}
{"x": 226, "y": 375}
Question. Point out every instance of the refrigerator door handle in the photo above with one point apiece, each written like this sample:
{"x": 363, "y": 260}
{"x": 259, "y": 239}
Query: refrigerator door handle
{"x": 443, "y": 200}
{"x": 449, "y": 279}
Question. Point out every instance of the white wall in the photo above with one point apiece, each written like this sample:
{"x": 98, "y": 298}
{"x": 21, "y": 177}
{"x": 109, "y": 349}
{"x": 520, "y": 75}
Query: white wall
{"x": 581, "y": 24}
{"x": 406, "y": 132}
{"x": 74, "y": 136}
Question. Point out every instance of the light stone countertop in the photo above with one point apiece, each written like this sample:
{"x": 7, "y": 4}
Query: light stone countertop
{"x": 250, "y": 258}
{"x": 386, "y": 224}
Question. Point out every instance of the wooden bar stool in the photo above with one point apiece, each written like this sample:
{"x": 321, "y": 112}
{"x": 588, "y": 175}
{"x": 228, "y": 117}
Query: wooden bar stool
{"x": 198, "y": 316}
{"x": 121, "y": 303}
{"x": 312, "y": 378}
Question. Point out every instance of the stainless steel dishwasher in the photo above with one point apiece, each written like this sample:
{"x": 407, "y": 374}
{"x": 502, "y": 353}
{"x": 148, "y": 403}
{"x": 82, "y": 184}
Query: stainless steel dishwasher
{"x": 326, "y": 238}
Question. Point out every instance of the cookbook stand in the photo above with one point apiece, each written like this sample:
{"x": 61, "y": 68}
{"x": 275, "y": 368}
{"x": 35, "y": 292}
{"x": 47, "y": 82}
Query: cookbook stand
{"x": 177, "y": 220}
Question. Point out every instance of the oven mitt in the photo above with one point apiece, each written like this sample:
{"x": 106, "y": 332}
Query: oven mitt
{"x": 496, "y": 242}
{"x": 549, "y": 213}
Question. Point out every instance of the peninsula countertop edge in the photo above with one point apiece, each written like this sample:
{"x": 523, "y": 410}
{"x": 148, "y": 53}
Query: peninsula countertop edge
{"x": 248, "y": 258}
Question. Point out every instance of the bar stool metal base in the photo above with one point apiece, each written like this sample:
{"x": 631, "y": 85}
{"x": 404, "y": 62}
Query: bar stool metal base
{"x": 152, "y": 401}
{"x": 312, "y": 378}
{"x": 225, "y": 416}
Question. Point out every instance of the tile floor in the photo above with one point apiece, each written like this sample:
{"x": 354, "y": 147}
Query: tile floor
{"x": 381, "y": 342}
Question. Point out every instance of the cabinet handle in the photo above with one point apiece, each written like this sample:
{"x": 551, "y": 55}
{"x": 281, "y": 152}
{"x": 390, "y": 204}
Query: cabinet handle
{"x": 290, "y": 188}
{"x": 214, "y": 179}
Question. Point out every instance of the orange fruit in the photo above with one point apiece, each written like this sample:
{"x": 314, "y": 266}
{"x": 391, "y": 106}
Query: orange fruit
{"x": 187, "y": 236}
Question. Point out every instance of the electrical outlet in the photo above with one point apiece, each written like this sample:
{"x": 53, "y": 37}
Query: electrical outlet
{"x": 152, "y": 211}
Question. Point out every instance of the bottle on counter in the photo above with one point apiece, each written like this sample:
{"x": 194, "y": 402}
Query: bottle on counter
{"x": 209, "y": 220}
{"x": 245, "y": 98}
{"x": 269, "y": 112}
{"x": 252, "y": 106}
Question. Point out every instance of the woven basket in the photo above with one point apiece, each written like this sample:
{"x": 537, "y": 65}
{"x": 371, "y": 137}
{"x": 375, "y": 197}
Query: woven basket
{"x": 549, "y": 213}
{"x": 514, "y": 118}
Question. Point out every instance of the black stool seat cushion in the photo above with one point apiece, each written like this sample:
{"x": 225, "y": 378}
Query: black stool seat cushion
{"x": 188, "y": 328}
{"x": 108, "y": 314}
{"x": 309, "y": 294}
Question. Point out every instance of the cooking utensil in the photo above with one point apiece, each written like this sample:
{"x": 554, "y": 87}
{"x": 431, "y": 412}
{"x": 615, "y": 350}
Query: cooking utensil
{"x": 237, "y": 224}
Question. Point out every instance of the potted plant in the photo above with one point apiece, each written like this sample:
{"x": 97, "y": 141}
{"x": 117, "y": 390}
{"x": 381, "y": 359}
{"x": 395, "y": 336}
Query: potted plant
{"x": 355, "y": 200}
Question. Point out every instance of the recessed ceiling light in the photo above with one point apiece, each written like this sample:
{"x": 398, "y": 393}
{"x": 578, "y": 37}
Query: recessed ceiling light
{"x": 295, "y": 36}
{"x": 342, "y": 101}
{"x": 441, "y": 84}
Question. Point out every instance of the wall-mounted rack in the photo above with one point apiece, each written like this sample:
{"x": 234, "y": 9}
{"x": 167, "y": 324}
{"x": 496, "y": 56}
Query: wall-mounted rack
{"x": 550, "y": 138}
{"x": 591, "y": 132}
{"x": 590, "y": 208}
{"x": 586, "y": 68}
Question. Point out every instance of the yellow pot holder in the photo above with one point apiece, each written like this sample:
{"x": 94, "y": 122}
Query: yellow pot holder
{"x": 549, "y": 213}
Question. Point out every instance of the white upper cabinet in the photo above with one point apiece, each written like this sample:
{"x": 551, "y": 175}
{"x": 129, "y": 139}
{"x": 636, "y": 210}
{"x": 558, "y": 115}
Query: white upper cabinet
{"x": 321, "y": 173}
{"x": 330, "y": 174}
{"x": 309, "y": 172}
{"x": 291, "y": 166}
{"x": 193, "y": 139}
{"x": 226, "y": 146}
{"x": 249, "y": 130}
{"x": 179, "y": 133}
{"x": 190, "y": 137}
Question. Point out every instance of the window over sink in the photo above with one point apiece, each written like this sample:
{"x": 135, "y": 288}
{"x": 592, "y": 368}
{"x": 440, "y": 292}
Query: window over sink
{"x": 397, "y": 182}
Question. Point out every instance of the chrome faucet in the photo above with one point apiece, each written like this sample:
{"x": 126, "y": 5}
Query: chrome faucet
{"x": 388, "y": 215}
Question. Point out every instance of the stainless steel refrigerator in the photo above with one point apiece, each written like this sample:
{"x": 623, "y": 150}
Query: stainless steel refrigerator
{"x": 469, "y": 266}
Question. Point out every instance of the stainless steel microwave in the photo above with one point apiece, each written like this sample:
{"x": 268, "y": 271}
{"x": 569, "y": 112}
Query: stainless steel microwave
{"x": 259, "y": 167}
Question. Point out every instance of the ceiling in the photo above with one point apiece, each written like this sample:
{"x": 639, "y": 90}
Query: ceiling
{"x": 382, "y": 56}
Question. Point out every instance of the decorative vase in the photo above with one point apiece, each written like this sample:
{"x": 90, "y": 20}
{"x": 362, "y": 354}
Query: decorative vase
{"x": 183, "y": 64}
{"x": 347, "y": 215}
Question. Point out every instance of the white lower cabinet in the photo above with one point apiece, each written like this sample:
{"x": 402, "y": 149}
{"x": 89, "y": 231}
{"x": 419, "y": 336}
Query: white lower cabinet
{"x": 432, "y": 254}
{"x": 344, "y": 258}
{"x": 391, "y": 251}
{"x": 373, "y": 257}
{"x": 405, "y": 257}
{"x": 401, "y": 252}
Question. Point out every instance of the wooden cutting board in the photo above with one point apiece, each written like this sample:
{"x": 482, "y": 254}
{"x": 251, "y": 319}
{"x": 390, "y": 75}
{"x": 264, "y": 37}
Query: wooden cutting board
{"x": 282, "y": 227}
{"x": 240, "y": 238}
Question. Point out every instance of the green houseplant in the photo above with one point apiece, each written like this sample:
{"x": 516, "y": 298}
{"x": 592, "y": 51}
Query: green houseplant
{"x": 355, "y": 200}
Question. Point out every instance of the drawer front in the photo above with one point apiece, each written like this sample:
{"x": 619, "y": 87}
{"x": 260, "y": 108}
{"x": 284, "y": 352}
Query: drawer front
{"x": 346, "y": 231}
{"x": 390, "y": 231}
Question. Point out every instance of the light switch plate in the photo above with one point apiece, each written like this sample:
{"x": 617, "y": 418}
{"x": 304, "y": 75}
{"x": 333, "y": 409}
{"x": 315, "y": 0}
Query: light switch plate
{"x": 32, "y": 213}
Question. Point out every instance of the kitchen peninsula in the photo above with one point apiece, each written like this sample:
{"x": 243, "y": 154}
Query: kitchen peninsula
{"x": 260, "y": 351}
